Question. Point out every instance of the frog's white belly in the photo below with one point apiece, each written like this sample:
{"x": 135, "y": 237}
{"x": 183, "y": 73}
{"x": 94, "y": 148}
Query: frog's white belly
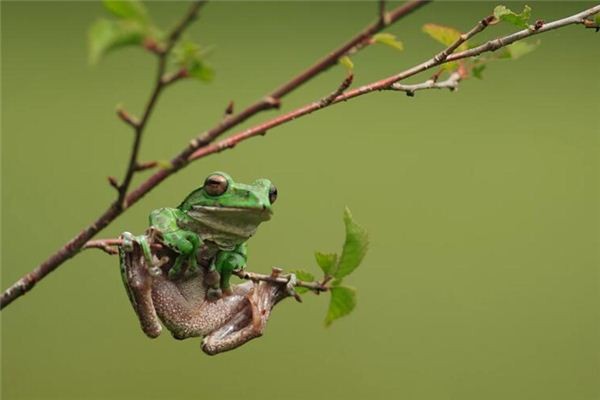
{"x": 227, "y": 227}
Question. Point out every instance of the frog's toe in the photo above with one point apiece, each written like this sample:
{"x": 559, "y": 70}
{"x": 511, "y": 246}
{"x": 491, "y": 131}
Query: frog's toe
{"x": 174, "y": 273}
{"x": 128, "y": 240}
{"x": 213, "y": 294}
{"x": 290, "y": 287}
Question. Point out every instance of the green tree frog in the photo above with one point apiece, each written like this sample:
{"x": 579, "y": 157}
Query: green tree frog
{"x": 216, "y": 219}
{"x": 184, "y": 282}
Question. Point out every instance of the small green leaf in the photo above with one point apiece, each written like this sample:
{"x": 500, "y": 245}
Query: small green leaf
{"x": 444, "y": 35}
{"x": 355, "y": 247}
{"x": 303, "y": 276}
{"x": 127, "y": 9}
{"x": 342, "y": 302}
{"x": 389, "y": 40}
{"x": 517, "y": 50}
{"x": 478, "y": 70}
{"x": 597, "y": 18}
{"x": 347, "y": 63}
{"x": 201, "y": 71}
{"x": 521, "y": 20}
{"x": 327, "y": 261}
{"x": 188, "y": 55}
{"x": 106, "y": 36}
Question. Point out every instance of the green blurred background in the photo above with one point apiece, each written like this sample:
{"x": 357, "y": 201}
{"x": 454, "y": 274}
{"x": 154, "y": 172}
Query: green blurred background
{"x": 482, "y": 281}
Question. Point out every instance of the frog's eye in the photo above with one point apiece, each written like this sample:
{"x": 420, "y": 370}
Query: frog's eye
{"x": 215, "y": 185}
{"x": 272, "y": 194}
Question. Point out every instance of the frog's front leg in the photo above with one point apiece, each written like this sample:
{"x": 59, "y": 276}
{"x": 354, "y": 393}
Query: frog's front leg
{"x": 228, "y": 261}
{"x": 185, "y": 243}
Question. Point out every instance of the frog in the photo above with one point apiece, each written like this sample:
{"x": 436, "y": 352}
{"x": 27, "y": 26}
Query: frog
{"x": 183, "y": 306}
{"x": 179, "y": 271}
{"x": 212, "y": 224}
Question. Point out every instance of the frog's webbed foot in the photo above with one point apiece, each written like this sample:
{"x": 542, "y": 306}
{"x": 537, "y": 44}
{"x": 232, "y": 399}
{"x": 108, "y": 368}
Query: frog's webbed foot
{"x": 249, "y": 323}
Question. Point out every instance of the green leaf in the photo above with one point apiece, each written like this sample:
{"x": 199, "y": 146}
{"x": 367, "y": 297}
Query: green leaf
{"x": 444, "y": 35}
{"x": 342, "y": 302}
{"x": 389, "y": 40}
{"x": 517, "y": 50}
{"x": 327, "y": 261}
{"x": 105, "y": 36}
{"x": 597, "y": 18}
{"x": 303, "y": 276}
{"x": 347, "y": 63}
{"x": 201, "y": 71}
{"x": 355, "y": 247}
{"x": 504, "y": 13}
{"x": 127, "y": 9}
{"x": 478, "y": 70}
{"x": 188, "y": 55}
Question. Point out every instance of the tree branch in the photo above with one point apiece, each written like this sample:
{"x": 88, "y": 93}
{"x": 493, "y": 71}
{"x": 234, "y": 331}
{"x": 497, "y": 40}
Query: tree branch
{"x": 160, "y": 83}
{"x": 272, "y": 100}
{"x": 386, "y": 84}
{"x": 25, "y": 284}
{"x": 110, "y": 246}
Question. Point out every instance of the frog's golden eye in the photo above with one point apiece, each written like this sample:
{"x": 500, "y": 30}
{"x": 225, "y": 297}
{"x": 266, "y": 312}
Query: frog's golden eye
{"x": 215, "y": 185}
{"x": 272, "y": 194}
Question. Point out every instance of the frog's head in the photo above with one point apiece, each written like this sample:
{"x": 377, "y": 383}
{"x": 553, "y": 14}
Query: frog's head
{"x": 228, "y": 212}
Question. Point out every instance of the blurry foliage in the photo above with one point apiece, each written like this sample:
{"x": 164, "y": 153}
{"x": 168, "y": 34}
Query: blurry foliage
{"x": 131, "y": 25}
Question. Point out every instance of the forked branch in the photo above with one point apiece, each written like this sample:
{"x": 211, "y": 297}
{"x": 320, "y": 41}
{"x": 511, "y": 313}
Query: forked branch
{"x": 126, "y": 199}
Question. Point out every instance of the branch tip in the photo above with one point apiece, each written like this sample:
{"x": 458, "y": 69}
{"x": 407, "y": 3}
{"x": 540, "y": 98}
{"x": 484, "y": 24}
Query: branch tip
{"x": 151, "y": 45}
{"x": 128, "y": 118}
{"x": 229, "y": 109}
{"x": 324, "y": 102}
{"x": 114, "y": 183}
{"x": 145, "y": 165}
{"x": 589, "y": 24}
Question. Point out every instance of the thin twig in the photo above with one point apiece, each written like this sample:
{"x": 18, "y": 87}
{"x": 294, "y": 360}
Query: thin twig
{"x": 143, "y": 166}
{"x": 315, "y": 286}
{"x": 383, "y": 16}
{"x": 272, "y": 100}
{"x": 107, "y": 245}
{"x": 385, "y": 84}
{"x": 504, "y": 41}
{"x": 341, "y": 89}
{"x": 450, "y": 83}
{"x": 481, "y": 25}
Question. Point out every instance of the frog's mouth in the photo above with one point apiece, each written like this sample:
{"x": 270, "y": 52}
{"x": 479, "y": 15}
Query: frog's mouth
{"x": 234, "y": 213}
{"x": 228, "y": 226}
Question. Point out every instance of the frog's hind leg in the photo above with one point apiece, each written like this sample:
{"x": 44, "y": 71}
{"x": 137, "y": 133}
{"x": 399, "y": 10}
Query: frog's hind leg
{"x": 247, "y": 324}
{"x": 138, "y": 283}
